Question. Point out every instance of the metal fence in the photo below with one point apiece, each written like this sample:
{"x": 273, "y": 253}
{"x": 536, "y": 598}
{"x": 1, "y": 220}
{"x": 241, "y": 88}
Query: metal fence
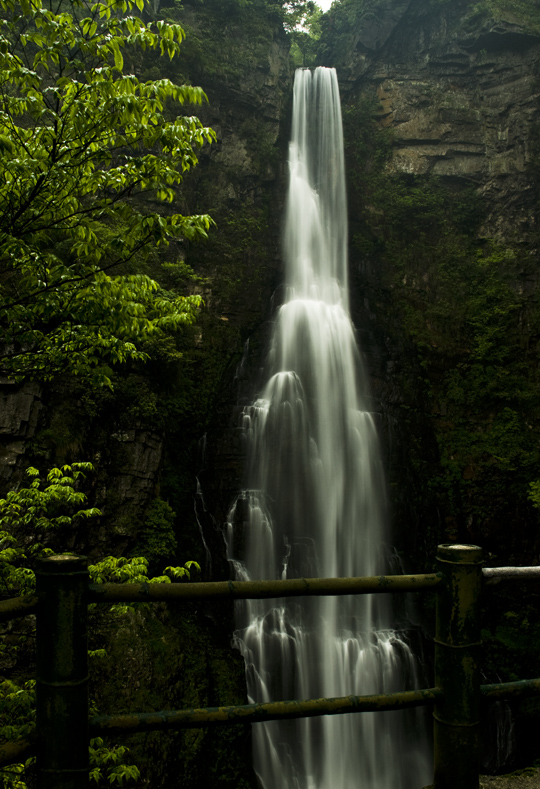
{"x": 63, "y": 726}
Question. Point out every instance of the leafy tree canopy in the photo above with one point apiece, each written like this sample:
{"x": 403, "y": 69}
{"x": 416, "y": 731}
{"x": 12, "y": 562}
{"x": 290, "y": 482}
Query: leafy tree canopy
{"x": 80, "y": 140}
{"x": 298, "y": 13}
{"x": 302, "y": 23}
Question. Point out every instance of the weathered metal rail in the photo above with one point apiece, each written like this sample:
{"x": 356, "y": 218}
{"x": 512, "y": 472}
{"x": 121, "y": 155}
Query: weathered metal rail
{"x": 495, "y": 574}
{"x": 257, "y": 590}
{"x": 510, "y": 690}
{"x": 18, "y": 607}
{"x": 256, "y": 713}
{"x": 18, "y": 751}
{"x": 135, "y": 722}
{"x": 63, "y": 726}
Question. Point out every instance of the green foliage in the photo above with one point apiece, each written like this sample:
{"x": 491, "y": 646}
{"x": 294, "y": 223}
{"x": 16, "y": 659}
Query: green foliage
{"x": 18, "y": 709}
{"x": 28, "y": 514}
{"x": 534, "y": 493}
{"x": 80, "y": 139}
{"x": 27, "y": 517}
{"x": 158, "y": 539}
{"x": 251, "y": 25}
{"x": 17, "y": 720}
{"x": 12, "y": 777}
{"x": 134, "y": 571}
{"x": 299, "y": 13}
{"x": 107, "y": 764}
{"x": 302, "y": 23}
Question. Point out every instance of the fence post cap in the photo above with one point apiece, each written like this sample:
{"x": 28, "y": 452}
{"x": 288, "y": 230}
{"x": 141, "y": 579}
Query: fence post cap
{"x": 62, "y": 563}
{"x": 459, "y": 553}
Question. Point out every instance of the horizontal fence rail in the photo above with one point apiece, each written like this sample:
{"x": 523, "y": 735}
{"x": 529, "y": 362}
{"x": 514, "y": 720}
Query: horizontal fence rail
{"x": 135, "y": 722}
{"x": 257, "y": 590}
{"x": 17, "y": 607}
{"x": 510, "y": 690}
{"x": 257, "y": 713}
{"x": 64, "y": 727}
{"x": 103, "y": 725}
{"x": 240, "y": 590}
{"x": 495, "y": 574}
{"x": 18, "y": 751}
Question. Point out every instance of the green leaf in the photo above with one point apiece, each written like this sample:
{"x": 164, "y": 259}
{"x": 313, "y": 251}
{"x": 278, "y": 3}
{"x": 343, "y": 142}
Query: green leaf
{"x": 118, "y": 59}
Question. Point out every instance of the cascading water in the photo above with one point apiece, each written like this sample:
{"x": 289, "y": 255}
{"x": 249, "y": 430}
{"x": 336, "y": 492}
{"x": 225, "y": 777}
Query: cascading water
{"x": 314, "y": 503}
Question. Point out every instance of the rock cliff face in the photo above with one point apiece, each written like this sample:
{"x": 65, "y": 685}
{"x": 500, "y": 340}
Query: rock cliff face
{"x": 459, "y": 89}
{"x": 241, "y": 181}
{"x": 20, "y": 407}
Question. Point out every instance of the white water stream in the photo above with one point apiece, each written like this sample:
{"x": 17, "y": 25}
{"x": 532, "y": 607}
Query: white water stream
{"x": 314, "y": 503}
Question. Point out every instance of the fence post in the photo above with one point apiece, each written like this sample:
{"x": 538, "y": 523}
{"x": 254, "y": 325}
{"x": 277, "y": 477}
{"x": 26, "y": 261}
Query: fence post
{"x": 457, "y": 641}
{"x": 62, "y": 673}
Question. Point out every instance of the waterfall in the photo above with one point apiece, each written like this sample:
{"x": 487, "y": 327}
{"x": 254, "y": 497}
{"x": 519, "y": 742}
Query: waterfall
{"x": 314, "y": 503}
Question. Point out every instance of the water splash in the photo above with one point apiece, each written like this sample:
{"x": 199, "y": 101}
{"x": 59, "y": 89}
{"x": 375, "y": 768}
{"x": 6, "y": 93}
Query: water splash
{"x": 314, "y": 503}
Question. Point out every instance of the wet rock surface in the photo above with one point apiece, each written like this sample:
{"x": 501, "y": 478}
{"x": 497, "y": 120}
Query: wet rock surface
{"x": 528, "y": 778}
{"x": 20, "y": 406}
{"x": 459, "y": 89}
